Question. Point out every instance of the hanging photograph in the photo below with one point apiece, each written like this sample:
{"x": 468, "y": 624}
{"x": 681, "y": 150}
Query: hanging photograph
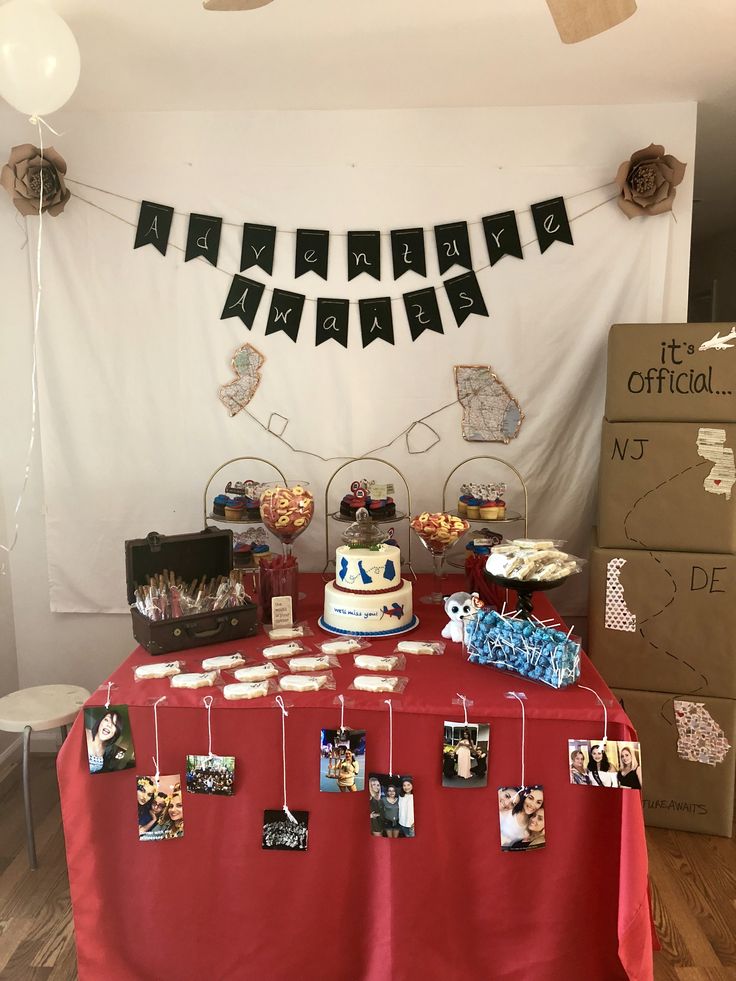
{"x": 211, "y": 775}
{"x": 521, "y": 818}
{"x": 594, "y": 763}
{"x": 342, "y": 760}
{"x": 160, "y": 808}
{"x": 109, "y": 739}
{"x": 281, "y": 834}
{"x": 391, "y": 800}
{"x": 465, "y": 754}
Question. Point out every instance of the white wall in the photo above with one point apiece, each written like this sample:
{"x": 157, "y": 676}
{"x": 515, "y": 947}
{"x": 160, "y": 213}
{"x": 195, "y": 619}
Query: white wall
{"x": 84, "y": 648}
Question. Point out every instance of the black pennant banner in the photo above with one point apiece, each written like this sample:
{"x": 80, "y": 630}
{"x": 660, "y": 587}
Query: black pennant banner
{"x": 259, "y": 245}
{"x": 312, "y": 250}
{"x": 203, "y": 238}
{"x": 423, "y": 312}
{"x": 242, "y": 300}
{"x": 332, "y": 321}
{"x": 453, "y": 246}
{"x": 376, "y": 320}
{"x": 285, "y": 313}
{"x": 407, "y": 251}
{"x": 551, "y": 223}
{"x": 502, "y": 236}
{"x": 154, "y": 225}
{"x": 465, "y": 297}
{"x": 364, "y": 254}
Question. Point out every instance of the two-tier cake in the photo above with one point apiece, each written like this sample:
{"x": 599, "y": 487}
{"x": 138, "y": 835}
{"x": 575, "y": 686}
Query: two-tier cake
{"x": 368, "y": 597}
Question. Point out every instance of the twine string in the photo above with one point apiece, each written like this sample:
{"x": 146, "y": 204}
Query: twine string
{"x": 284, "y": 713}
{"x": 155, "y": 726}
{"x": 208, "y": 705}
{"x": 387, "y": 701}
{"x": 605, "y": 712}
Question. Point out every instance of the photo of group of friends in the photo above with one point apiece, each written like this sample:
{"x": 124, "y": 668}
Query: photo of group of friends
{"x": 160, "y": 808}
{"x": 342, "y": 760}
{"x": 521, "y": 818}
{"x": 109, "y": 739}
{"x": 391, "y": 800}
{"x": 211, "y": 775}
{"x": 282, "y": 834}
{"x": 465, "y": 754}
{"x": 605, "y": 764}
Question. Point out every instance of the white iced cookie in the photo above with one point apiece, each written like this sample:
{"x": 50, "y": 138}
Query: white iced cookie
{"x": 369, "y": 662}
{"x": 250, "y": 689}
{"x": 284, "y": 633}
{"x": 202, "y": 679}
{"x": 497, "y": 563}
{"x": 282, "y": 650}
{"x": 311, "y": 682}
{"x": 367, "y": 682}
{"x": 259, "y": 672}
{"x": 224, "y": 661}
{"x": 340, "y": 646}
{"x": 309, "y": 663}
{"x": 145, "y": 672}
{"x": 415, "y": 647}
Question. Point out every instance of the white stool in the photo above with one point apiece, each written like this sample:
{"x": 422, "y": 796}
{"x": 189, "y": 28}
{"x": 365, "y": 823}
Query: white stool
{"x": 41, "y": 708}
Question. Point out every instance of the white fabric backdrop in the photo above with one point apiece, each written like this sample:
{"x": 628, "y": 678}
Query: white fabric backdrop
{"x": 133, "y": 350}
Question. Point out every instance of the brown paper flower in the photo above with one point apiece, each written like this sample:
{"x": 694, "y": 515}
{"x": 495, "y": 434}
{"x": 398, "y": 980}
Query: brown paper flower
{"x": 648, "y": 181}
{"x": 22, "y": 178}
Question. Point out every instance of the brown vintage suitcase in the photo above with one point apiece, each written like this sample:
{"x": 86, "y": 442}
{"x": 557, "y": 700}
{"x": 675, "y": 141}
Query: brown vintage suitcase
{"x": 190, "y": 556}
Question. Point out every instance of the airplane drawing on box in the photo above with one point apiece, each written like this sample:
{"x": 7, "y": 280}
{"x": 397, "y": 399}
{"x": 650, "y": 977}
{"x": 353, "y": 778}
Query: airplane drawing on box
{"x": 718, "y": 343}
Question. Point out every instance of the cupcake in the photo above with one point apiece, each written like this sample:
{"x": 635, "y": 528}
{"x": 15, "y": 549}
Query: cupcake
{"x": 261, "y": 552}
{"x": 219, "y": 504}
{"x": 489, "y": 510}
{"x": 235, "y": 509}
{"x": 252, "y": 509}
{"x": 501, "y": 505}
{"x": 473, "y": 508}
{"x": 462, "y": 503}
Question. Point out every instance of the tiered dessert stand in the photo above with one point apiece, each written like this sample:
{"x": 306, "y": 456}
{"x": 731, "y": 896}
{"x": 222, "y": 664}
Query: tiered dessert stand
{"x": 500, "y": 524}
{"x": 337, "y": 516}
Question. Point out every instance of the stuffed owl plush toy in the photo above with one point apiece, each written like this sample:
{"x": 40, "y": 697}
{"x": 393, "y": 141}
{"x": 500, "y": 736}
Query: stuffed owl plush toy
{"x": 457, "y": 607}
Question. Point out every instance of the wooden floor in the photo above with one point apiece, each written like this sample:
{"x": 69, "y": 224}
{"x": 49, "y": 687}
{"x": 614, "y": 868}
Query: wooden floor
{"x": 693, "y": 888}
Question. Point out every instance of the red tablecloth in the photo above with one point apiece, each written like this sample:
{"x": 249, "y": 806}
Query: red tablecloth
{"x": 447, "y": 905}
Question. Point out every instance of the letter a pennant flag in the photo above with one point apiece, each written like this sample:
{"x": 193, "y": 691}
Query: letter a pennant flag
{"x": 154, "y": 225}
{"x": 242, "y": 300}
{"x": 332, "y": 321}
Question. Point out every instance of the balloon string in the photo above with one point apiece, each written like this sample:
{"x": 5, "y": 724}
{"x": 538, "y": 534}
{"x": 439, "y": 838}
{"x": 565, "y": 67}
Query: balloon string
{"x": 34, "y": 354}
{"x": 284, "y": 713}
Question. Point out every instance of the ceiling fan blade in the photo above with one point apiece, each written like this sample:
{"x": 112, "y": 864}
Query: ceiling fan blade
{"x": 233, "y": 4}
{"x": 577, "y": 20}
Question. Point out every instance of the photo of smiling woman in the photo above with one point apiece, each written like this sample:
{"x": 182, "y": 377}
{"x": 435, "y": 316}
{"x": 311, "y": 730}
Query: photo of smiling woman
{"x": 160, "y": 812}
{"x": 521, "y": 823}
{"x": 109, "y": 740}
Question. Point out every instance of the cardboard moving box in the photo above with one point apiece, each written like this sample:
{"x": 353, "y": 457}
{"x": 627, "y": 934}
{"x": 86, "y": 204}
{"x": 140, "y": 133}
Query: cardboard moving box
{"x": 664, "y": 621}
{"x": 679, "y": 792}
{"x": 667, "y": 485}
{"x": 671, "y": 373}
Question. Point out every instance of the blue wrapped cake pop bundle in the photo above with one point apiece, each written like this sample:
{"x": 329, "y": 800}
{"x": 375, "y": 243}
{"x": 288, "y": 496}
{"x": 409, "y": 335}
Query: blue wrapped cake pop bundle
{"x": 528, "y": 649}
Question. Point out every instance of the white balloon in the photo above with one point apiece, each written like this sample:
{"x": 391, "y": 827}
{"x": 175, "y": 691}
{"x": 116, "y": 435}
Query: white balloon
{"x": 39, "y": 58}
